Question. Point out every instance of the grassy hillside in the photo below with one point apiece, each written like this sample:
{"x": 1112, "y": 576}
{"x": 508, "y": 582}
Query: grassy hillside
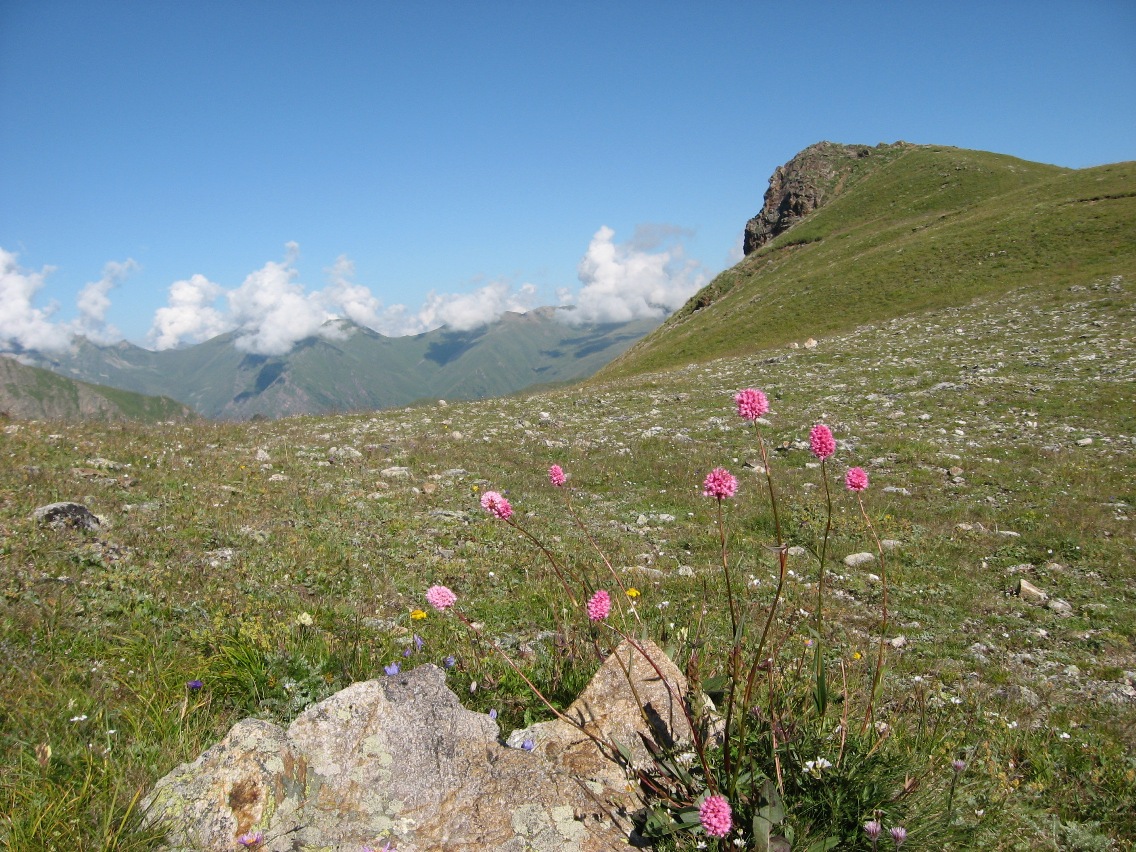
{"x": 32, "y": 393}
{"x": 931, "y": 228}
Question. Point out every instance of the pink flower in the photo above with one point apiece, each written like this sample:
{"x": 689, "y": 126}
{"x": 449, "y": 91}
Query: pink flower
{"x": 821, "y": 441}
{"x": 557, "y": 476}
{"x": 752, "y": 404}
{"x": 856, "y": 479}
{"x": 715, "y": 815}
{"x": 497, "y": 505}
{"x": 250, "y": 839}
{"x": 720, "y": 483}
{"x": 440, "y": 598}
{"x": 898, "y": 835}
{"x": 599, "y": 606}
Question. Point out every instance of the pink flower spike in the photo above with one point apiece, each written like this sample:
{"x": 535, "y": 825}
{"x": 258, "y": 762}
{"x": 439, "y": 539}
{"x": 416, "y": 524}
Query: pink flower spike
{"x": 856, "y": 479}
{"x": 440, "y": 598}
{"x": 720, "y": 483}
{"x": 752, "y": 404}
{"x": 557, "y": 476}
{"x": 599, "y": 606}
{"x": 821, "y": 441}
{"x": 715, "y": 815}
{"x": 497, "y": 505}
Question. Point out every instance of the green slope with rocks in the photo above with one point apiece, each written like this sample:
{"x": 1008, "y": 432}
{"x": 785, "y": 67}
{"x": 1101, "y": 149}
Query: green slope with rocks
{"x": 909, "y": 229}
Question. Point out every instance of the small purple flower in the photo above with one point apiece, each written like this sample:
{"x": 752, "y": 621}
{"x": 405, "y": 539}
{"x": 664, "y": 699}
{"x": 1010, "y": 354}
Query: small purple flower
{"x": 958, "y": 764}
{"x": 493, "y": 713}
{"x": 407, "y": 652}
{"x": 450, "y": 662}
{"x": 391, "y": 670}
{"x": 898, "y": 835}
{"x": 528, "y": 744}
{"x": 194, "y": 685}
{"x": 250, "y": 839}
{"x": 872, "y": 828}
{"x": 418, "y": 642}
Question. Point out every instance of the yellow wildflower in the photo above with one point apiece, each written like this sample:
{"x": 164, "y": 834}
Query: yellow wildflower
{"x": 633, "y": 593}
{"x": 417, "y": 614}
{"x": 856, "y": 655}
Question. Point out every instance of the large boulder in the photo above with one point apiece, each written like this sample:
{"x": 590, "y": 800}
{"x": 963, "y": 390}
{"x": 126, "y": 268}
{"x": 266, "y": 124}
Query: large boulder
{"x": 400, "y": 760}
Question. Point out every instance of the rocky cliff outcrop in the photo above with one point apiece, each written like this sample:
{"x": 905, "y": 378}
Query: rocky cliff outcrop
{"x": 808, "y": 181}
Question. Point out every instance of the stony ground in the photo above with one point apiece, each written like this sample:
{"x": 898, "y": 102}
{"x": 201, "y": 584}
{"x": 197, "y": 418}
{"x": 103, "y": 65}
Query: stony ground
{"x": 1000, "y": 441}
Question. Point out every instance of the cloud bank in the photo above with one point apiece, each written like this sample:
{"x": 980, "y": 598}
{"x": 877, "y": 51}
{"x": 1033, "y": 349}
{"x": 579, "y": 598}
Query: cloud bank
{"x": 272, "y": 310}
{"x": 647, "y": 277}
{"x": 24, "y": 326}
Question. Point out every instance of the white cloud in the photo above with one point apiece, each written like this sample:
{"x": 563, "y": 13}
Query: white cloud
{"x": 190, "y": 316}
{"x": 648, "y": 276}
{"x": 22, "y": 325}
{"x": 93, "y": 302}
{"x": 272, "y": 311}
{"x": 466, "y": 311}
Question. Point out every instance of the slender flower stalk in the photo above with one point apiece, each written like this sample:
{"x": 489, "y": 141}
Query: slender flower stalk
{"x": 856, "y": 481}
{"x": 823, "y": 445}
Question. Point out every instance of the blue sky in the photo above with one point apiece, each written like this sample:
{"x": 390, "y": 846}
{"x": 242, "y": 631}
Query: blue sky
{"x": 171, "y": 170}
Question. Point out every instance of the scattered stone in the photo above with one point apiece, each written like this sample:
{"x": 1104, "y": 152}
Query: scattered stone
{"x": 895, "y": 489}
{"x": 811, "y": 343}
{"x": 855, "y": 560}
{"x": 74, "y": 515}
{"x": 797, "y": 551}
{"x": 1060, "y": 607}
{"x": 105, "y": 464}
{"x": 1020, "y": 694}
{"x": 686, "y": 570}
{"x": 1027, "y": 591}
{"x": 262, "y": 455}
{"x": 1085, "y": 442}
{"x": 395, "y": 473}
{"x": 898, "y": 641}
{"x": 278, "y": 477}
{"x": 891, "y": 544}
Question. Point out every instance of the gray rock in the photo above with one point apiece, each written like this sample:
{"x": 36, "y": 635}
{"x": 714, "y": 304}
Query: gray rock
{"x": 1061, "y": 607}
{"x": 395, "y": 472}
{"x": 401, "y": 760}
{"x": 855, "y": 560}
{"x": 66, "y": 514}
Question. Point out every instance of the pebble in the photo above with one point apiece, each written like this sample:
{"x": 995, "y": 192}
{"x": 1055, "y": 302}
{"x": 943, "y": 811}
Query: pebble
{"x": 855, "y": 560}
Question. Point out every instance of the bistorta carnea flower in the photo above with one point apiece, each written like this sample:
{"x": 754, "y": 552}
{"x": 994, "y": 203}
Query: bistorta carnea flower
{"x": 497, "y": 505}
{"x": 752, "y": 404}
{"x": 720, "y": 483}
{"x": 821, "y": 441}
{"x": 856, "y": 479}
{"x": 599, "y": 606}
{"x": 557, "y": 476}
{"x": 715, "y": 815}
{"x": 440, "y": 598}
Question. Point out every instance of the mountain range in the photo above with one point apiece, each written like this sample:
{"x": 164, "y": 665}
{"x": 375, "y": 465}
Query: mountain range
{"x": 351, "y": 368}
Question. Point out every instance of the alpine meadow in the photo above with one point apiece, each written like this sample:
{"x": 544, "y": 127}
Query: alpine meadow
{"x": 872, "y": 491}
